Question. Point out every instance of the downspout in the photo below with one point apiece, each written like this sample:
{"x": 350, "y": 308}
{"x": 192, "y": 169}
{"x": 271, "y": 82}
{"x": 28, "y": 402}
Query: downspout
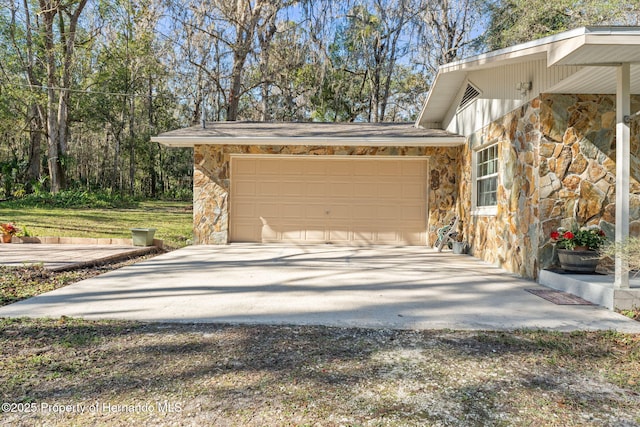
{"x": 623, "y": 171}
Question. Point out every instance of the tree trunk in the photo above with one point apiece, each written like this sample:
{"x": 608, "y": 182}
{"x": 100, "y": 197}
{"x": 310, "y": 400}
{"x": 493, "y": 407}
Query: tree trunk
{"x": 234, "y": 90}
{"x": 132, "y": 147}
{"x": 57, "y": 115}
{"x": 35, "y": 141}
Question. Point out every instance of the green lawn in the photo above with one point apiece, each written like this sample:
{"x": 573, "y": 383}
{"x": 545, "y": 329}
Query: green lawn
{"x": 173, "y": 221}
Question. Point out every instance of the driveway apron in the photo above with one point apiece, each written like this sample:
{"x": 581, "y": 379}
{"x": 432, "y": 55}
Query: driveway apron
{"x": 373, "y": 287}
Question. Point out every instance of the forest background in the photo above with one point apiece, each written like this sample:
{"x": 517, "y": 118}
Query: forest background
{"x": 84, "y": 84}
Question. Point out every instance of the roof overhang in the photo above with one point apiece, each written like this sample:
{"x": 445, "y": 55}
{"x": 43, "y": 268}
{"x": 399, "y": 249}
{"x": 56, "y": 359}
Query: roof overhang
{"x": 309, "y": 134}
{"x": 594, "y": 48}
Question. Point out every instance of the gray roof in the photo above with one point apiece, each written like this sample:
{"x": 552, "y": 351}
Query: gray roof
{"x": 308, "y": 133}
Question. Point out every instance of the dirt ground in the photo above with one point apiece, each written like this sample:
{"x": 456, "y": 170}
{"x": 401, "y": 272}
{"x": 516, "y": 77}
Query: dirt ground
{"x": 73, "y": 372}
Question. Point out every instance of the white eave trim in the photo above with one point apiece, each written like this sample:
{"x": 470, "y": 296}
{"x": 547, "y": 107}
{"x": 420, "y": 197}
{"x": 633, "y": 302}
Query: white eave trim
{"x": 428, "y": 141}
{"x": 580, "y": 36}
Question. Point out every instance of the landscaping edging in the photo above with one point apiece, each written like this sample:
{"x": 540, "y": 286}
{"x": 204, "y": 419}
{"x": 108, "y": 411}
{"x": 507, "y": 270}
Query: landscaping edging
{"x": 109, "y": 259}
{"x": 80, "y": 241}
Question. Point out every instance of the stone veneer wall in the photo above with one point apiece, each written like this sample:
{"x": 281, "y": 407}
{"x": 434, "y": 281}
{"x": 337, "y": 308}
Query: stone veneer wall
{"x": 557, "y": 168}
{"x": 509, "y": 238}
{"x": 577, "y": 166}
{"x": 212, "y": 182}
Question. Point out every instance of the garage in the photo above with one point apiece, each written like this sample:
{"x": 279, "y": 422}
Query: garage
{"x": 328, "y": 199}
{"x": 327, "y": 183}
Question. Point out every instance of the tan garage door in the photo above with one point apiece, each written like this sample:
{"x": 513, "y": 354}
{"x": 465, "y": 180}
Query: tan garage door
{"x": 340, "y": 200}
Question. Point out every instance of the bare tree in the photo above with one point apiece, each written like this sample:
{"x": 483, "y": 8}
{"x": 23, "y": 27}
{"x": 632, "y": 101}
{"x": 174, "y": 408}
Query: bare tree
{"x": 445, "y": 30}
{"x": 59, "y": 45}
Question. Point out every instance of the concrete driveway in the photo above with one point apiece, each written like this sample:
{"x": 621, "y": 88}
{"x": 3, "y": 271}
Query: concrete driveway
{"x": 381, "y": 287}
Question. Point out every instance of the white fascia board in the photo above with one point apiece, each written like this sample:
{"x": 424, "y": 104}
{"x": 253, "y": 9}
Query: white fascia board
{"x": 513, "y": 52}
{"x": 435, "y": 141}
{"x": 426, "y": 102}
{"x": 560, "y": 51}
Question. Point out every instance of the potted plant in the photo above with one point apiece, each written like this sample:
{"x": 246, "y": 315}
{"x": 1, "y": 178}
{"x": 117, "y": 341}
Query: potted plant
{"x": 8, "y": 230}
{"x": 577, "y": 248}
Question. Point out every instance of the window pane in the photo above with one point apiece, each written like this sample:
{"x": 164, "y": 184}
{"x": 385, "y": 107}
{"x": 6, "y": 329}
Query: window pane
{"x": 487, "y": 185}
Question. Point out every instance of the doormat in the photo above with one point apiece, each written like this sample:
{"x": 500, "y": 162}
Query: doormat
{"x": 559, "y": 297}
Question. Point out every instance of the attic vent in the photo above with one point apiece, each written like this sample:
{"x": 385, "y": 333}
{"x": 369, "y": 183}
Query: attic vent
{"x": 470, "y": 94}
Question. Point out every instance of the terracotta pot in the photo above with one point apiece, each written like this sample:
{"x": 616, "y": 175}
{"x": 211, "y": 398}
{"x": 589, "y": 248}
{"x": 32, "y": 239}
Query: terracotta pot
{"x": 578, "y": 261}
{"x": 6, "y": 238}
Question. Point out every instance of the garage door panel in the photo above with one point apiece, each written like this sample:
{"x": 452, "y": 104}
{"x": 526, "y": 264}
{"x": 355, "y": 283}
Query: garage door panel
{"x": 292, "y": 211}
{"x": 415, "y": 212}
{"x": 269, "y": 188}
{"x": 268, "y": 168}
{"x": 268, "y": 211}
{"x": 339, "y": 212}
{"x": 317, "y": 189}
{"x": 337, "y": 235}
{"x": 388, "y": 190}
{"x": 364, "y": 168}
{"x": 315, "y": 168}
{"x": 245, "y": 210}
{"x": 268, "y": 234}
{"x": 362, "y": 188}
{"x": 388, "y": 213}
{"x": 246, "y": 231}
{"x": 387, "y": 236}
{"x": 244, "y": 167}
{"x": 291, "y": 168}
{"x": 322, "y": 199}
{"x": 413, "y": 191}
{"x": 293, "y": 189}
{"x": 315, "y": 212}
{"x": 340, "y": 169}
{"x": 388, "y": 168}
{"x": 365, "y": 212}
{"x": 414, "y": 169}
{"x": 244, "y": 187}
{"x": 341, "y": 189}
{"x": 314, "y": 235}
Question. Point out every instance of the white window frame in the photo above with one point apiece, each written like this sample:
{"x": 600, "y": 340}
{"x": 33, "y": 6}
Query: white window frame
{"x": 483, "y": 210}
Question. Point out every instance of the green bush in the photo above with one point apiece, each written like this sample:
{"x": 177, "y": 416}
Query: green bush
{"x": 629, "y": 250}
{"x": 75, "y": 199}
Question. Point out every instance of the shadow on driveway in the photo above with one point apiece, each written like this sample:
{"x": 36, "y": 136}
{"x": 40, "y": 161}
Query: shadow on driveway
{"x": 378, "y": 287}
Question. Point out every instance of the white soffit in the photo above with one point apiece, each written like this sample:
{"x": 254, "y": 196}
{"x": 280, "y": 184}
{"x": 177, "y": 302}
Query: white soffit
{"x": 440, "y": 98}
{"x": 587, "y": 46}
{"x": 598, "y": 48}
{"x": 596, "y": 80}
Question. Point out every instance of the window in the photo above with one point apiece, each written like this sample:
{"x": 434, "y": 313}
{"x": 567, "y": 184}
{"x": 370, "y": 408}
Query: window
{"x": 486, "y": 177}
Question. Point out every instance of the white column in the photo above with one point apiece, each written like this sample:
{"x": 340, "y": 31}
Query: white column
{"x": 623, "y": 137}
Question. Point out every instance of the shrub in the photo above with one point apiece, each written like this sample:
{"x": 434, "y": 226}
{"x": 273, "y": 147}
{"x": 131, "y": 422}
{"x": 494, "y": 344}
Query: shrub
{"x": 629, "y": 251}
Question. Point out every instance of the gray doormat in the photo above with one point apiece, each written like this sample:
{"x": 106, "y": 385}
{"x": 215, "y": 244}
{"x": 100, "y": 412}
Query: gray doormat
{"x": 559, "y": 297}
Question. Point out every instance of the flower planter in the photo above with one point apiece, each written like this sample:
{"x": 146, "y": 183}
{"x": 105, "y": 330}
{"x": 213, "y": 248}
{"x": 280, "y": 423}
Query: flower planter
{"x": 6, "y": 238}
{"x": 142, "y": 236}
{"x": 584, "y": 261}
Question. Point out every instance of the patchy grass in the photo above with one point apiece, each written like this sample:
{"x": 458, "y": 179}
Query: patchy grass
{"x": 173, "y": 221}
{"x": 124, "y": 373}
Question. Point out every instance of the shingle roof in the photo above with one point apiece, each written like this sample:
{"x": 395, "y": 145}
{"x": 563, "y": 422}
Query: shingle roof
{"x": 308, "y": 133}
